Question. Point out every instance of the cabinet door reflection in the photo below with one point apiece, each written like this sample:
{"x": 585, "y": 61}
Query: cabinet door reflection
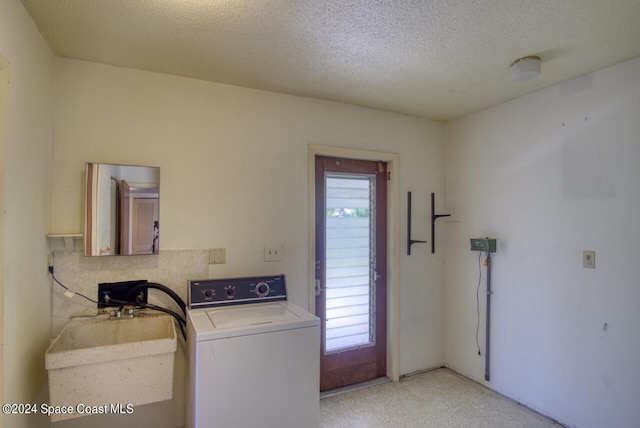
{"x": 122, "y": 210}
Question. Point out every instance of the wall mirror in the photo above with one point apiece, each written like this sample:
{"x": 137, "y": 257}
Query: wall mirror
{"x": 122, "y": 206}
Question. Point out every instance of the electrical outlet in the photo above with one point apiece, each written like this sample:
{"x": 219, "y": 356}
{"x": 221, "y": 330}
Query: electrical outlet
{"x": 589, "y": 259}
{"x": 217, "y": 256}
{"x": 272, "y": 252}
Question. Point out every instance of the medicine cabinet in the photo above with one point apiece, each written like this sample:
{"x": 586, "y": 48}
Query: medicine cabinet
{"x": 122, "y": 207}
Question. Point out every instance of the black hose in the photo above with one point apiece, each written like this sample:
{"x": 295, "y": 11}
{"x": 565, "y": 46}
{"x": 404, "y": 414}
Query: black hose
{"x": 176, "y": 298}
{"x": 181, "y": 321}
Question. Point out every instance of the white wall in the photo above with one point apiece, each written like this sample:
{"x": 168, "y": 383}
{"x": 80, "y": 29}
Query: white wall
{"x": 234, "y": 174}
{"x": 549, "y": 175}
{"x": 26, "y": 169}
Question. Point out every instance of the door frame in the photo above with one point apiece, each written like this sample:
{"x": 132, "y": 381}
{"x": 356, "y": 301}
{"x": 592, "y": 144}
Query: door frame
{"x": 393, "y": 240}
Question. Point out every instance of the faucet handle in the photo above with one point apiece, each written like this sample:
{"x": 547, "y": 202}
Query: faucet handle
{"x": 121, "y": 313}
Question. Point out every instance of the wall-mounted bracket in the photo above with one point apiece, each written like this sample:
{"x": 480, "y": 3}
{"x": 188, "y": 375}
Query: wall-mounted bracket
{"x": 434, "y": 217}
{"x": 67, "y": 239}
{"x": 410, "y": 241}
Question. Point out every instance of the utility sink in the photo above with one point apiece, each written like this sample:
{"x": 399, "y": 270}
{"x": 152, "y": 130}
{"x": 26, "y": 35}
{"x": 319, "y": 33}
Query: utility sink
{"x": 102, "y": 362}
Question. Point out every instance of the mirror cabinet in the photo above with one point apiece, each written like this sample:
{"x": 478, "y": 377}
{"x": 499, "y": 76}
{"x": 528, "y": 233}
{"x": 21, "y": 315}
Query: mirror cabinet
{"x": 122, "y": 206}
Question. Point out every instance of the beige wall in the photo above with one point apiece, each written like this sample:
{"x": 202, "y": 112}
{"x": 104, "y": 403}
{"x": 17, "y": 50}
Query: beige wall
{"x": 234, "y": 175}
{"x": 233, "y": 161}
{"x": 4, "y": 89}
{"x": 26, "y": 169}
{"x": 549, "y": 175}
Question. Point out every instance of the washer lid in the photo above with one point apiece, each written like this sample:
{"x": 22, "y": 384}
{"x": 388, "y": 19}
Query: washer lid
{"x": 234, "y": 321}
{"x": 250, "y": 315}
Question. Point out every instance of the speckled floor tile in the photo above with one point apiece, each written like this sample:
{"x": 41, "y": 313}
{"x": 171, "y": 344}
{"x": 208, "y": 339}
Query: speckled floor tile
{"x": 439, "y": 398}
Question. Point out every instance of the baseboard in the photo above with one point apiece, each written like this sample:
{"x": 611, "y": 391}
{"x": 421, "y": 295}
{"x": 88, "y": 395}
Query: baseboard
{"x": 419, "y": 372}
{"x": 357, "y": 386}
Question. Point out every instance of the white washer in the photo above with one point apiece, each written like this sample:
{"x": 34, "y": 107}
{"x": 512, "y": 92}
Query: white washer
{"x": 254, "y": 357}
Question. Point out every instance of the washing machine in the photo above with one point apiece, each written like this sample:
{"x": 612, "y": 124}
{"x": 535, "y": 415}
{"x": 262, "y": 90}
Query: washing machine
{"x": 254, "y": 356}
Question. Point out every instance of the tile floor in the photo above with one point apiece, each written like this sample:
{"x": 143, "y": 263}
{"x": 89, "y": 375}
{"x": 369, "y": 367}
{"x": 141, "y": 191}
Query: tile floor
{"x": 438, "y": 398}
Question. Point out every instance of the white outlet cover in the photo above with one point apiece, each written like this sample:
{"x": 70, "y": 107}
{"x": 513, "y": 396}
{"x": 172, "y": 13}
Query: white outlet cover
{"x": 272, "y": 252}
{"x": 589, "y": 259}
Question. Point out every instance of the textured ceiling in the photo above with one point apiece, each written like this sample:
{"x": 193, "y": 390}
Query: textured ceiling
{"x": 430, "y": 58}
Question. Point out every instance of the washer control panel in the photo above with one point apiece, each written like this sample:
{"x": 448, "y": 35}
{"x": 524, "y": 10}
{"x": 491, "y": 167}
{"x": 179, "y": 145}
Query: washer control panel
{"x": 206, "y": 293}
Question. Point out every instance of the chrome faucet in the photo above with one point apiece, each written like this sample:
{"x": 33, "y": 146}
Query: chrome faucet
{"x": 115, "y": 314}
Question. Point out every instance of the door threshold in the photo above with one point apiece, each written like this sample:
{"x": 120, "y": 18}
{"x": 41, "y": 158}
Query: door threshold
{"x": 355, "y": 387}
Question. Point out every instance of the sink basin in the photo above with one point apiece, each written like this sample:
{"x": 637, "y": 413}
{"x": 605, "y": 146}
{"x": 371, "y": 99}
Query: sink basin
{"x": 99, "y": 362}
{"x": 90, "y": 341}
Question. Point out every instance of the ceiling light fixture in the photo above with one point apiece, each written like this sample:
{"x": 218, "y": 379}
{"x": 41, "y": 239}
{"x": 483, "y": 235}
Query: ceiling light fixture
{"x": 526, "y": 68}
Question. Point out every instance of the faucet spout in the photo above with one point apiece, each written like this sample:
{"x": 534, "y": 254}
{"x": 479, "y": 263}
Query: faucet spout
{"x": 121, "y": 313}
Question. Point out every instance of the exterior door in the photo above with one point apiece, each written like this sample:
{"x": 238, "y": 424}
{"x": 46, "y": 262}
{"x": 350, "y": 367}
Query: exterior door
{"x": 351, "y": 269}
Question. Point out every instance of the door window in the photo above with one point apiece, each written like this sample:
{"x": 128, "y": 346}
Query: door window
{"x": 350, "y": 260}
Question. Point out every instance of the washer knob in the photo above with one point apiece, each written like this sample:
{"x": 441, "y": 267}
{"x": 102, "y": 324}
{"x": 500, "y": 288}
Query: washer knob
{"x": 262, "y": 289}
{"x": 208, "y": 293}
{"x": 231, "y": 291}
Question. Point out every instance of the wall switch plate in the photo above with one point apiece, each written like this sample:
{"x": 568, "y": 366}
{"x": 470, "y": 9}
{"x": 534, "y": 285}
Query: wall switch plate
{"x": 217, "y": 256}
{"x": 589, "y": 259}
{"x": 272, "y": 252}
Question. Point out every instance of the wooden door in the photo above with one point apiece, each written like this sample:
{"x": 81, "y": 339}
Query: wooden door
{"x": 351, "y": 269}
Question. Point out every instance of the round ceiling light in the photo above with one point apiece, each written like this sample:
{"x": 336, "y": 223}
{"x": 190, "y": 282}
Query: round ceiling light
{"x": 526, "y": 68}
